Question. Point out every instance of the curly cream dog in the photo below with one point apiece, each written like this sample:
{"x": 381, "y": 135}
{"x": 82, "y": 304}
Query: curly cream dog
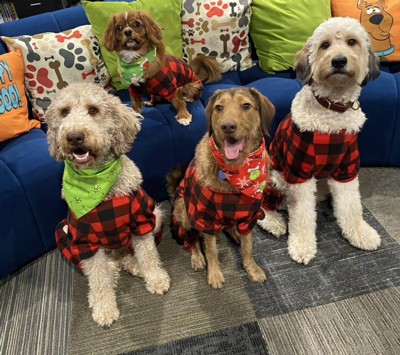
{"x": 91, "y": 130}
{"x": 222, "y": 189}
{"x": 319, "y": 139}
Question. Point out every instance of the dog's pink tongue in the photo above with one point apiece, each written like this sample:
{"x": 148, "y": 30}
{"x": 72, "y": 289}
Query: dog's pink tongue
{"x": 232, "y": 150}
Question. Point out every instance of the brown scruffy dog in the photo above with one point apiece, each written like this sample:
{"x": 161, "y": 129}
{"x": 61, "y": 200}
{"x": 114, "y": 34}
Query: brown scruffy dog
{"x": 146, "y": 67}
{"x": 222, "y": 189}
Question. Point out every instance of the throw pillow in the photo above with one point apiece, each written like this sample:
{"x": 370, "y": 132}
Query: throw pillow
{"x": 381, "y": 19}
{"x": 165, "y": 13}
{"x": 55, "y": 60}
{"x": 219, "y": 29}
{"x": 14, "y": 118}
{"x": 280, "y": 28}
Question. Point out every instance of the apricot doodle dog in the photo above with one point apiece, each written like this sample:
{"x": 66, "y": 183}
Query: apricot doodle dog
{"x": 146, "y": 67}
{"x": 222, "y": 189}
{"x": 112, "y": 223}
{"x": 319, "y": 138}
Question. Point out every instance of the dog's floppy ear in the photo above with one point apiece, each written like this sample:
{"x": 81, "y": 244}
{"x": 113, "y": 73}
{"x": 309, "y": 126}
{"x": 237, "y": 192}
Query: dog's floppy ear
{"x": 51, "y": 116}
{"x": 153, "y": 30}
{"x": 126, "y": 125}
{"x": 373, "y": 67}
{"x": 266, "y": 109}
{"x": 109, "y": 35}
{"x": 302, "y": 65}
{"x": 209, "y": 110}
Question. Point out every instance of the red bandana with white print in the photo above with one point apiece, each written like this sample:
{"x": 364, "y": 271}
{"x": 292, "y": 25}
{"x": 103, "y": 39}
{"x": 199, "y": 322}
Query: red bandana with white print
{"x": 251, "y": 177}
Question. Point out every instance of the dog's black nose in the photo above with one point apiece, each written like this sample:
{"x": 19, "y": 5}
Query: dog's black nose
{"x": 376, "y": 19}
{"x": 339, "y": 62}
{"x": 75, "y": 138}
{"x": 229, "y": 127}
{"x": 128, "y": 33}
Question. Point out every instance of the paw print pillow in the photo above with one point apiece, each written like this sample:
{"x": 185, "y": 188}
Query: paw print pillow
{"x": 218, "y": 28}
{"x": 55, "y": 60}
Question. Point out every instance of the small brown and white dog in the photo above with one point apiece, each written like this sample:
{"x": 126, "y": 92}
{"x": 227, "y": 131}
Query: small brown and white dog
{"x": 146, "y": 67}
{"x": 222, "y": 189}
{"x": 112, "y": 223}
{"x": 318, "y": 142}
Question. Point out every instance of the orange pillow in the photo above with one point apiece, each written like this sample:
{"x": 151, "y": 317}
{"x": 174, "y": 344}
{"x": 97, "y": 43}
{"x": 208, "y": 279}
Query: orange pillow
{"x": 381, "y": 19}
{"x": 14, "y": 118}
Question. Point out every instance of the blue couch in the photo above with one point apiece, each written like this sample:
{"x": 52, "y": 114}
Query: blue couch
{"x": 30, "y": 180}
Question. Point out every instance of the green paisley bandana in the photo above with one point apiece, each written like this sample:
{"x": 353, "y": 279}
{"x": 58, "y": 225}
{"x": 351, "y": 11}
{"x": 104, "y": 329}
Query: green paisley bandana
{"x": 132, "y": 72}
{"x": 85, "y": 189}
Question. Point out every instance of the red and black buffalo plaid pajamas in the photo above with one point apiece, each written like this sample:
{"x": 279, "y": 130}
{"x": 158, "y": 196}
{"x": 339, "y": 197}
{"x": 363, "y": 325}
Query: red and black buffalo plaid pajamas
{"x": 210, "y": 211}
{"x": 175, "y": 73}
{"x": 302, "y": 155}
{"x": 109, "y": 225}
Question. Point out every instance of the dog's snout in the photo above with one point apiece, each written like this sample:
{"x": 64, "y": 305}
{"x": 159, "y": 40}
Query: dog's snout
{"x": 229, "y": 127}
{"x": 376, "y": 19}
{"x": 75, "y": 138}
{"x": 339, "y": 62}
{"x": 128, "y": 33}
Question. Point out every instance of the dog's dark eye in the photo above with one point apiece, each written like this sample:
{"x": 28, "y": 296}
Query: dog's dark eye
{"x": 119, "y": 28}
{"x": 65, "y": 112}
{"x": 246, "y": 106}
{"x": 93, "y": 110}
{"x": 218, "y": 108}
{"x": 137, "y": 25}
{"x": 325, "y": 45}
{"x": 352, "y": 42}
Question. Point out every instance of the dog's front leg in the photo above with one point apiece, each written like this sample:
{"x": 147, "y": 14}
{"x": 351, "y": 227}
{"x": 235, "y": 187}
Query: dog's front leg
{"x": 301, "y": 202}
{"x": 215, "y": 278}
{"x": 256, "y": 274}
{"x": 102, "y": 283}
{"x": 349, "y": 214}
{"x": 156, "y": 277}
{"x": 183, "y": 116}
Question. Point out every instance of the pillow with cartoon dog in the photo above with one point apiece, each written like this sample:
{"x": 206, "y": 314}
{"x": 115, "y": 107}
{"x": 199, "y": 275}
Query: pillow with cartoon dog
{"x": 381, "y": 19}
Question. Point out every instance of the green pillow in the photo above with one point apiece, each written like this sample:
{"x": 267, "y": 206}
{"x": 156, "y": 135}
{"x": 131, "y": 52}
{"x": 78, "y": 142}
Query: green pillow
{"x": 280, "y": 28}
{"x": 166, "y": 13}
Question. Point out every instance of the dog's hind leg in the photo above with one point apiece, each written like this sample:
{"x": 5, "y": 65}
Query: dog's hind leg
{"x": 102, "y": 283}
{"x": 197, "y": 258}
{"x": 273, "y": 223}
{"x": 349, "y": 214}
{"x": 254, "y": 271}
{"x": 156, "y": 277}
{"x": 215, "y": 278}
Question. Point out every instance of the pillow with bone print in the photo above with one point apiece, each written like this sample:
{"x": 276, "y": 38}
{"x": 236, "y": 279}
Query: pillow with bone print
{"x": 54, "y": 60}
{"x": 218, "y": 28}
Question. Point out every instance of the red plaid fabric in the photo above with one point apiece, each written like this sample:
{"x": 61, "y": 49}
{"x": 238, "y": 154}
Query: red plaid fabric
{"x": 301, "y": 155}
{"x": 209, "y": 210}
{"x": 175, "y": 73}
{"x": 109, "y": 225}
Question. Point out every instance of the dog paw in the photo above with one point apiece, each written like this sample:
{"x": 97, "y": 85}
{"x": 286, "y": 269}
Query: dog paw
{"x": 365, "y": 237}
{"x": 149, "y": 104}
{"x": 130, "y": 264}
{"x": 198, "y": 262}
{"x": 105, "y": 315}
{"x": 158, "y": 284}
{"x": 302, "y": 249}
{"x": 215, "y": 279}
{"x": 273, "y": 223}
{"x": 256, "y": 274}
{"x": 184, "y": 121}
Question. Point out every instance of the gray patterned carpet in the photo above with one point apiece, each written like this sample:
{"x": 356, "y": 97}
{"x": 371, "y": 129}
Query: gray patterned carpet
{"x": 346, "y": 301}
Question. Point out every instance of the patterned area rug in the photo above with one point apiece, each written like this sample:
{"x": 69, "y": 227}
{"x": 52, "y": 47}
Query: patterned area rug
{"x": 346, "y": 301}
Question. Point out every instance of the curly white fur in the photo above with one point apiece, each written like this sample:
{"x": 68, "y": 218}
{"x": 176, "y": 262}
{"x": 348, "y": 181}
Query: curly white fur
{"x": 109, "y": 129}
{"x": 336, "y": 37}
